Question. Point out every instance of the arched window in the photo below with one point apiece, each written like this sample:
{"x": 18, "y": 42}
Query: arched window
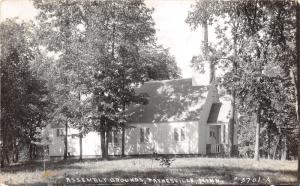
{"x": 182, "y": 134}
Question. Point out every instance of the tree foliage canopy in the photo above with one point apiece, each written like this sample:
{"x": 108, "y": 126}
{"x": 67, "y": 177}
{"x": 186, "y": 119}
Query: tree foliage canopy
{"x": 256, "y": 49}
{"x": 24, "y": 99}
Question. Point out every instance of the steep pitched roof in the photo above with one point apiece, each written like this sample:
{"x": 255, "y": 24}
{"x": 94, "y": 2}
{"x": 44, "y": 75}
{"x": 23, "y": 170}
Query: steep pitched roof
{"x": 214, "y": 112}
{"x": 169, "y": 100}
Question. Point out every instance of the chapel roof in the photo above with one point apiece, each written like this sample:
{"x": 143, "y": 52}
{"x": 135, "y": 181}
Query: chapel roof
{"x": 173, "y": 101}
{"x": 169, "y": 100}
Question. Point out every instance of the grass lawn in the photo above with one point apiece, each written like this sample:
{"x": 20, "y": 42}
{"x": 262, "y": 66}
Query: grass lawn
{"x": 182, "y": 170}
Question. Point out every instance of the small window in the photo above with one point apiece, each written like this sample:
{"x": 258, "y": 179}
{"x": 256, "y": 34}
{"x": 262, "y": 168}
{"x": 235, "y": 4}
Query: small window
{"x": 218, "y": 148}
{"x": 182, "y": 134}
{"x": 142, "y": 135}
{"x": 176, "y": 135}
{"x": 212, "y": 134}
{"x": 59, "y": 132}
{"x": 116, "y": 137}
{"x": 109, "y": 137}
{"x": 147, "y": 134}
{"x": 179, "y": 134}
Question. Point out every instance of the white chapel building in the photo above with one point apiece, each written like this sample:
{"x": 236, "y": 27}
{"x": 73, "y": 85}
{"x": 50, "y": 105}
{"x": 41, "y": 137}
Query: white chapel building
{"x": 182, "y": 117}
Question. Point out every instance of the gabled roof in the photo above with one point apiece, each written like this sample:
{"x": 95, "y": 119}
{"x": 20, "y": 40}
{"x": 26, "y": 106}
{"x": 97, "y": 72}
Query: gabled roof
{"x": 169, "y": 100}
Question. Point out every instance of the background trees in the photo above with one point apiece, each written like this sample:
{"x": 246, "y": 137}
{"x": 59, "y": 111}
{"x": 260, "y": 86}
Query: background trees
{"x": 23, "y": 95}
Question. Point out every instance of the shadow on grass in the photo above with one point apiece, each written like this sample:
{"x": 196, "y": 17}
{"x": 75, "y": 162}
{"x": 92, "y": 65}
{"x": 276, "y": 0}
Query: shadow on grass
{"x": 228, "y": 174}
{"x": 31, "y": 166}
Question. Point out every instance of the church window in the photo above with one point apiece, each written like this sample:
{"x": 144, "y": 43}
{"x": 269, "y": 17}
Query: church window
{"x": 109, "y": 137}
{"x": 116, "y": 137}
{"x": 212, "y": 134}
{"x": 59, "y": 132}
{"x": 147, "y": 134}
{"x": 176, "y": 135}
{"x": 182, "y": 134}
{"x": 179, "y": 134}
{"x": 144, "y": 134}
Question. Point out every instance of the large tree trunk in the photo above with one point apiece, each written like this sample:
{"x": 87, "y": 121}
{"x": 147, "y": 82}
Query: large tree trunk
{"x": 232, "y": 147}
{"x": 79, "y": 98}
{"x": 66, "y": 141}
{"x": 67, "y": 53}
{"x": 283, "y": 148}
{"x": 298, "y": 77}
{"x": 3, "y": 144}
{"x": 2, "y": 152}
{"x": 257, "y": 135}
{"x": 30, "y": 152}
{"x": 15, "y": 152}
{"x": 123, "y": 134}
{"x": 2, "y": 159}
{"x": 269, "y": 143}
{"x": 80, "y": 146}
{"x": 106, "y": 141}
{"x": 276, "y": 147}
{"x": 231, "y": 125}
{"x": 7, "y": 157}
{"x": 123, "y": 140}
{"x": 103, "y": 146}
{"x": 294, "y": 81}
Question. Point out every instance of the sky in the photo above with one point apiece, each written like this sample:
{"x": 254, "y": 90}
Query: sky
{"x": 169, "y": 17}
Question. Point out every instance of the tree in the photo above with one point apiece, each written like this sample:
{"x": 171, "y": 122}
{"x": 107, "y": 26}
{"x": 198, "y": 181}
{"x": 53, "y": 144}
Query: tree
{"x": 258, "y": 41}
{"x": 203, "y": 13}
{"x": 298, "y": 75}
{"x": 120, "y": 35}
{"x": 24, "y": 97}
{"x": 59, "y": 30}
